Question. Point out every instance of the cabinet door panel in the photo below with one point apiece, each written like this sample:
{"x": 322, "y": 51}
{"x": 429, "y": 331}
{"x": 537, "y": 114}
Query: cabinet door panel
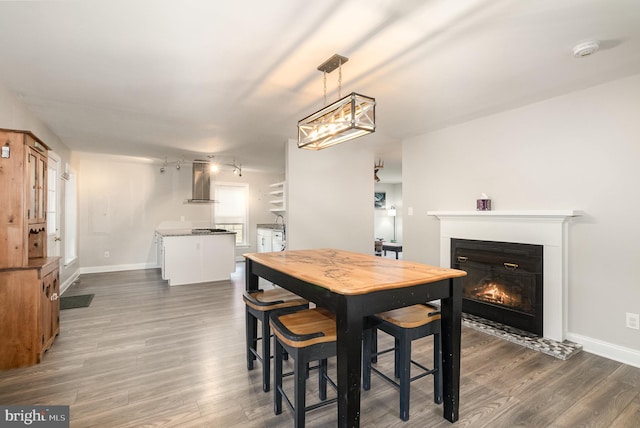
{"x": 33, "y": 185}
{"x": 45, "y": 309}
{"x": 182, "y": 259}
{"x": 264, "y": 240}
{"x": 218, "y": 257}
{"x": 42, "y": 183}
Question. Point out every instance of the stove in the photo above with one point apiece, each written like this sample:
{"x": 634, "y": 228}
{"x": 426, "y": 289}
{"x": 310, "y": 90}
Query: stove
{"x": 206, "y": 231}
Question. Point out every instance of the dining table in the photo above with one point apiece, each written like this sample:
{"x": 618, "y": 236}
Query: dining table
{"x": 353, "y": 286}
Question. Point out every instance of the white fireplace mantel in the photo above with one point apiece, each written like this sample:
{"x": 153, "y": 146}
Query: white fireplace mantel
{"x": 558, "y": 214}
{"x": 541, "y": 227}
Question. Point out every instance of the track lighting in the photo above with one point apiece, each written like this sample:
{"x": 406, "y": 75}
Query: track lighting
{"x": 237, "y": 168}
{"x": 212, "y": 167}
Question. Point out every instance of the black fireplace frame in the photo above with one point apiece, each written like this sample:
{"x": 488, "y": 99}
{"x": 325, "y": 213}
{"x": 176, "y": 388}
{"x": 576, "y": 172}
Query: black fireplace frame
{"x": 528, "y": 257}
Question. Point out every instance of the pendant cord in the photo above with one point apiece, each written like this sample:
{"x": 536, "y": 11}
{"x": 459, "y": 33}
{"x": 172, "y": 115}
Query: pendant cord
{"x": 339, "y": 79}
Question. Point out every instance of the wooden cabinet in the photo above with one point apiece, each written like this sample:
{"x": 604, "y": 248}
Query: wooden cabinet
{"x": 29, "y": 280}
{"x": 30, "y": 319}
{"x": 23, "y": 179}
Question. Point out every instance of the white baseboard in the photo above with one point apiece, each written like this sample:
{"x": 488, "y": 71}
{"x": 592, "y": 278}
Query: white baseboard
{"x": 240, "y": 250}
{"x": 69, "y": 281}
{"x": 118, "y": 268}
{"x": 608, "y": 350}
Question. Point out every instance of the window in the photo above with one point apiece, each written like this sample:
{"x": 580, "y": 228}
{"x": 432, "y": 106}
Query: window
{"x": 70, "y": 218}
{"x": 231, "y": 210}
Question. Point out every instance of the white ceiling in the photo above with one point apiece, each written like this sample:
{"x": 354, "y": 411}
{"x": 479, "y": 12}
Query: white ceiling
{"x": 187, "y": 78}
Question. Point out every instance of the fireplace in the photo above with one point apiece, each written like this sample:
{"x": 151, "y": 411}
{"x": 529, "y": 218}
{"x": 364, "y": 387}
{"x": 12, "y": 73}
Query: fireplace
{"x": 504, "y": 281}
{"x": 545, "y": 228}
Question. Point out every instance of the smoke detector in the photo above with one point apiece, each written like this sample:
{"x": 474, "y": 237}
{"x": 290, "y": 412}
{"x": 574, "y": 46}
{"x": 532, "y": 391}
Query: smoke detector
{"x": 586, "y": 48}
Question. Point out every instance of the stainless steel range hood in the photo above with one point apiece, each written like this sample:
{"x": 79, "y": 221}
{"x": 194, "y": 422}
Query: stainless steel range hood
{"x": 201, "y": 183}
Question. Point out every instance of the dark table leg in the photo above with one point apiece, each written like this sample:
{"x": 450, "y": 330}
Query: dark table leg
{"x": 250, "y": 279}
{"x": 451, "y": 323}
{"x": 349, "y": 324}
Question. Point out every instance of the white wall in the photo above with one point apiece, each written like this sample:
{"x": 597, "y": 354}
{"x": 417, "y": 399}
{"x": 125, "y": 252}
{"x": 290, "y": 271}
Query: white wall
{"x": 123, "y": 199}
{"x": 330, "y": 197}
{"x": 579, "y": 151}
{"x": 382, "y": 223}
{"x": 15, "y": 115}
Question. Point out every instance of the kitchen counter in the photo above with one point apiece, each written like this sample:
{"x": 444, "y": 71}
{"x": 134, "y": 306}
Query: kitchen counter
{"x": 190, "y": 232}
{"x": 191, "y": 256}
{"x": 274, "y": 226}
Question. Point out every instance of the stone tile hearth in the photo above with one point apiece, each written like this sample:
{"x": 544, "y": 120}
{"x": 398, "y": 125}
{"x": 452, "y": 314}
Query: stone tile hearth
{"x": 562, "y": 350}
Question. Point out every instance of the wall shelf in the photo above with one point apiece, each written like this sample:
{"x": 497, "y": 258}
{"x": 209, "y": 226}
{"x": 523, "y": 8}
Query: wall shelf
{"x": 279, "y": 195}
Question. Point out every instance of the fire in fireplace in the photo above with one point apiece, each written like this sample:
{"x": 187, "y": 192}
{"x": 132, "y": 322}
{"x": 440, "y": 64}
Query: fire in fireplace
{"x": 503, "y": 282}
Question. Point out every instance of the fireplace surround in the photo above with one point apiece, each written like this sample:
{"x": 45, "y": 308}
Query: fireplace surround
{"x": 546, "y": 228}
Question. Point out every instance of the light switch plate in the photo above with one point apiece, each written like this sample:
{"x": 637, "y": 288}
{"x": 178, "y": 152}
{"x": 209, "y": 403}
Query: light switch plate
{"x": 6, "y": 152}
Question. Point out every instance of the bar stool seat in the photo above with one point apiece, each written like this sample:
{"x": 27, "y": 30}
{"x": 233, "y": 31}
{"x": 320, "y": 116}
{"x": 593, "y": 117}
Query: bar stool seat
{"x": 307, "y": 335}
{"x": 259, "y": 304}
{"x": 405, "y": 325}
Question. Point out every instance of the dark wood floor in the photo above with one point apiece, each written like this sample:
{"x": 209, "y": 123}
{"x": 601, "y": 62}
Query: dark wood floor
{"x": 145, "y": 354}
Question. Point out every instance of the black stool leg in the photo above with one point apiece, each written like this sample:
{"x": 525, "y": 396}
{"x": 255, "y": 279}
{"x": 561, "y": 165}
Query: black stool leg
{"x": 277, "y": 387}
{"x": 322, "y": 380}
{"x": 251, "y": 338}
{"x": 266, "y": 355}
{"x": 405, "y": 375}
{"x": 374, "y": 345}
{"x": 397, "y": 358}
{"x": 300, "y": 368}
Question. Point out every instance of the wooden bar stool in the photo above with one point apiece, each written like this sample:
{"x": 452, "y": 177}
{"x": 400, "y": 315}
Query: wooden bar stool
{"x": 405, "y": 325}
{"x": 259, "y": 305}
{"x": 307, "y": 335}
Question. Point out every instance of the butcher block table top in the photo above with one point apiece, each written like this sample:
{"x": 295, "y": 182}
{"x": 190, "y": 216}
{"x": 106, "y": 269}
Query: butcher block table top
{"x": 349, "y": 273}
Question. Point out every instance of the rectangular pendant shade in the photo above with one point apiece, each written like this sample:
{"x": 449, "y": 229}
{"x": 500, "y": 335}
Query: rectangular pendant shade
{"x": 349, "y": 117}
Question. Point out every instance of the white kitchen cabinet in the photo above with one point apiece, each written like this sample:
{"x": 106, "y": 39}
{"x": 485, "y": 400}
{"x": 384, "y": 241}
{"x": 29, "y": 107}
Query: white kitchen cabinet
{"x": 277, "y": 239}
{"x": 193, "y": 259}
{"x": 264, "y": 244}
{"x": 159, "y": 252}
{"x": 269, "y": 239}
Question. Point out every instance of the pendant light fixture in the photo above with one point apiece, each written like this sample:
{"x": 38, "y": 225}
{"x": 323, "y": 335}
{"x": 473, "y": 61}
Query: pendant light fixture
{"x": 349, "y": 117}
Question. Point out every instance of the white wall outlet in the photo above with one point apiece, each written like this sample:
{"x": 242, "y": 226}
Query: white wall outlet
{"x": 106, "y": 255}
{"x": 410, "y": 211}
{"x": 633, "y": 321}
